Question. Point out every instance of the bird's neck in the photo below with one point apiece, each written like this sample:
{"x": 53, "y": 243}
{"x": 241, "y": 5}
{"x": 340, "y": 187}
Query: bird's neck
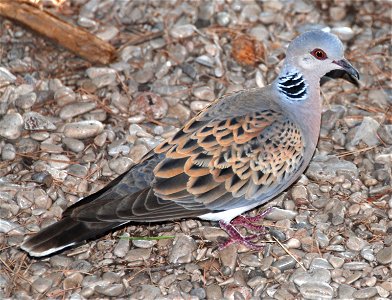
{"x": 301, "y": 97}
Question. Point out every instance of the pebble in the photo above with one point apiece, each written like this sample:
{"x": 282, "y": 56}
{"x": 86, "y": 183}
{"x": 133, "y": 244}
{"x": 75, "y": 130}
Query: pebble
{"x": 345, "y": 291}
{"x": 182, "y": 31}
{"x": 316, "y": 291}
{"x": 8, "y": 152}
{"x": 357, "y": 265}
{"x": 182, "y": 250}
{"x": 144, "y": 243}
{"x": 73, "y": 144}
{"x": 139, "y": 254}
{"x": 301, "y": 277}
{"x": 111, "y": 290}
{"x": 122, "y": 246}
{"x": 367, "y": 132}
{"x": 327, "y": 168}
{"x": 278, "y": 214}
{"x": 204, "y": 93}
{"x": 75, "y": 109}
{"x": 83, "y": 129}
{"x": 365, "y": 293}
{"x": 64, "y": 95}
{"x": 11, "y": 126}
{"x": 355, "y": 243}
{"x": 41, "y": 285}
{"x": 384, "y": 256}
{"x": 198, "y": 105}
{"x": 6, "y": 75}
{"x": 35, "y": 121}
{"x": 102, "y": 77}
{"x": 285, "y": 263}
{"x": 214, "y": 292}
{"x": 26, "y": 101}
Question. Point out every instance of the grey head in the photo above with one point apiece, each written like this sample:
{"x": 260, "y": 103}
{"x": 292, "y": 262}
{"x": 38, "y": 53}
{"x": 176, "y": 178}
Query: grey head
{"x": 317, "y": 53}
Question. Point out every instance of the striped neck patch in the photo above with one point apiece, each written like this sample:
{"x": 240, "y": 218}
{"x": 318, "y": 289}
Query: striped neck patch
{"x": 293, "y": 86}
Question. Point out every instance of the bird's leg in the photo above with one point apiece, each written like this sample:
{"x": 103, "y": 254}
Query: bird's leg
{"x": 236, "y": 237}
{"x": 247, "y": 222}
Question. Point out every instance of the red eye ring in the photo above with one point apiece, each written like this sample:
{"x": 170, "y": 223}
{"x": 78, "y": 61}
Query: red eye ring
{"x": 319, "y": 54}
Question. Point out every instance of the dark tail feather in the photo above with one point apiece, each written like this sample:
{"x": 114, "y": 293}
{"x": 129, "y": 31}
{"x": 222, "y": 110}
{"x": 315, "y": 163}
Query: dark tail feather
{"x": 65, "y": 233}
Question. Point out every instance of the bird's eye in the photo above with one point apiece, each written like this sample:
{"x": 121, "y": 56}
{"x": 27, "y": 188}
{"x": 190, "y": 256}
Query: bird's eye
{"x": 319, "y": 54}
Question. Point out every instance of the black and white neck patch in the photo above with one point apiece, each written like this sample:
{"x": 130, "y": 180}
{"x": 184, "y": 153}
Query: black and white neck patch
{"x": 293, "y": 86}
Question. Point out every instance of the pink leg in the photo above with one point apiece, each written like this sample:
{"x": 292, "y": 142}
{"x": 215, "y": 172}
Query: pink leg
{"x": 236, "y": 237}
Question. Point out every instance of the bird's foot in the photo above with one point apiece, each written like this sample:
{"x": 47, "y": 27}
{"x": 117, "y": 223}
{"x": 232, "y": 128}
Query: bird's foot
{"x": 236, "y": 237}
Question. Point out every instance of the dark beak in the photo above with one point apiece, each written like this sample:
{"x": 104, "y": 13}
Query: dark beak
{"x": 346, "y": 71}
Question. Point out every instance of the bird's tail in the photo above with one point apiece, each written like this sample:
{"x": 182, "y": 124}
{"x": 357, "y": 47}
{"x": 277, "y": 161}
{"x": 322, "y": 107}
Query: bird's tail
{"x": 63, "y": 234}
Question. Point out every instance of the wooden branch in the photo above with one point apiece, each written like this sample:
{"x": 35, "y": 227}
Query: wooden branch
{"x": 73, "y": 38}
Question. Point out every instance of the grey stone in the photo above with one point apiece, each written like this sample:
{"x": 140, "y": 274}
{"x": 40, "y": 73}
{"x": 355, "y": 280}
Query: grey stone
{"x": 367, "y": 132}
{"x": 83, "y": 129}
{"x": 285, "y": 263}
{"x": 384, "y": 256}
{"x": 75, "y": 109}
{"x": 11, "y": 126}
{"x": 64, "y": 95}
{"x": 366, "y": 293}
{"x": 328, "y": 167}
{"x": 182, "y": 250}
{"x": 112, "y": 290}
{"x": 36, "y": 121}
{"x": 316, "y": 291}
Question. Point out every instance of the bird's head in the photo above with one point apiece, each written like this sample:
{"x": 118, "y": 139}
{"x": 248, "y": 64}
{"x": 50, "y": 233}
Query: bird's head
{"x": 318, "y": 53}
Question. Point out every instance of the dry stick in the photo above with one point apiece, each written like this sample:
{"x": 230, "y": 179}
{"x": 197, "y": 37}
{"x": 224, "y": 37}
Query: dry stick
{"x": 71, "y": 37}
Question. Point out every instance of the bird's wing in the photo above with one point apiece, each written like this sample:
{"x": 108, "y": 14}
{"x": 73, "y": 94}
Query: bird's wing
{"x": 228, "y": 156}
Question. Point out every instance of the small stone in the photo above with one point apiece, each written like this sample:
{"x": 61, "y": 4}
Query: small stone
{"x": 285, "y": 263}
{"x": 214, "y": 292}
{"x": 182, "y": 31}
{"x": 59, "y": 161}
{"x": 198, "y": 105}
{"x": 204, "y": 93}
{"x": 139, "y": 254}
{"x": 385, "y": 133}
{"x": 327, "y": 168}
{"x": 112, "y": 290}
{"x": 11, "y": 126}
{"x": 102, "y": 77}
{"x": 344, "y": 33}
{"x": 41, "y": 285}
{"x": 26, "y": 101}
{"x": 83, "y": 129}
{"x": 6, "y": 76}
{"x": 144, "y": 243}
{"x": 355, "y": 243}
{"x": 36, "y": 121}
{"x": 278, "y": 214}
{"x": 122, "y": 246}
{"x": 75, "y": 109}
{"x": 73, "y": 144}
{"x": 182, "y": 250}
{"x": 223, "y": 18}
{"x": 316, "y": 291}
{"x": 72, "y": 281}
{"x": 337, "y": 13}
{"x": 367, "y": 132}
{"x": 8, "y": 152}
{"x": 64, "y": 95}
{"x": 355, "y": 266}
{"x": 345, "y": 291}
{"x": 149, "y": 104}
{"x": 366, "y": 293}
{"x": 384, "y": 256}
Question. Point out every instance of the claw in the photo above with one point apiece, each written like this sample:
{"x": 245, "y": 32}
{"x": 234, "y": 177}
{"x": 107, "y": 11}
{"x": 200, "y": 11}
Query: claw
{"x": 236, "y": 237}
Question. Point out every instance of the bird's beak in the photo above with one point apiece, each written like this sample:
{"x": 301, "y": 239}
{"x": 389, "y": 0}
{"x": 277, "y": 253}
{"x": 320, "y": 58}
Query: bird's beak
{"x": 345, "y": 71}
{"x": 348, "y": 68}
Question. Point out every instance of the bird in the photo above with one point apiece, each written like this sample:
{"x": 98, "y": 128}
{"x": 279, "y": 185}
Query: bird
{"x": 238, "y": 153}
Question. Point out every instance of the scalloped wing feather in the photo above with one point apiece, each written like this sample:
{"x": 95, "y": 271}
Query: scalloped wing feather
{"x": 241, "y": 157}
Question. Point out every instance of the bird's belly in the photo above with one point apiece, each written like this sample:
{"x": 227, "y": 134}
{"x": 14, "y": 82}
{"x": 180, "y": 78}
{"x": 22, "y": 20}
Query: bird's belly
{"x": 227, "y": 215}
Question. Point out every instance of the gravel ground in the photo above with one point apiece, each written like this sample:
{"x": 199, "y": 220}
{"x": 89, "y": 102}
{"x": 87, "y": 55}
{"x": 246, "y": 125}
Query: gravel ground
{"x": 67, "y": 128}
